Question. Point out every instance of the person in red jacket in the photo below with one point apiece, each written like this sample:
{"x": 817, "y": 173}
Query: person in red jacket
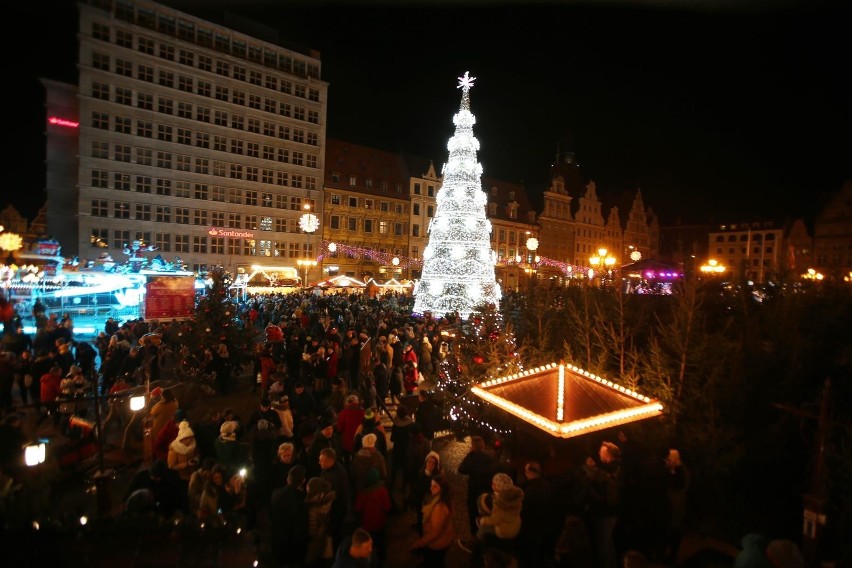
{"x": 373, "y": 503}
{"x": 348, "y": 422}
{"x": 50, "y": 389}
{"x": 267, "y": 367}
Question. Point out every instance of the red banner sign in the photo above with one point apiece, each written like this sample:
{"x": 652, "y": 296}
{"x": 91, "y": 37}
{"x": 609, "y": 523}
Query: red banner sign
{"x": 169, "y": 297}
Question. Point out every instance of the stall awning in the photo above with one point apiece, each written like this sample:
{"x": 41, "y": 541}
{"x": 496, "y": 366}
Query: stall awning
{"x": 566, "y": 401}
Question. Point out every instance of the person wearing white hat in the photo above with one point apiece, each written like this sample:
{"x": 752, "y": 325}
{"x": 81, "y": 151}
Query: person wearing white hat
{"x": 183, "y": 455}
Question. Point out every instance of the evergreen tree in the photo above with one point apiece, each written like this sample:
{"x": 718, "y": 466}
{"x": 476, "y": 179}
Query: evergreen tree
{"x": 216, "y": 320}
{"x": 458, "y": 263}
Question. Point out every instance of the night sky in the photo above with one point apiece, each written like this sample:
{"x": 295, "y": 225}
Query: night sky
{"x": 717, "y": 113}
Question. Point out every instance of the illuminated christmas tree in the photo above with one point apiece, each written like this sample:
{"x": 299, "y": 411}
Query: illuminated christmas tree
{"x": 458, "y": 263}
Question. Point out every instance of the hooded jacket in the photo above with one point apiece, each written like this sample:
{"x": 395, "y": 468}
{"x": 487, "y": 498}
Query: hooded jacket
{"x": 506, "y": 515}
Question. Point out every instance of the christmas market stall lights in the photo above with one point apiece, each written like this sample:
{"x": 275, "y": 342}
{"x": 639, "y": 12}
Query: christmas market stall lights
{"x": 566, "y": 401}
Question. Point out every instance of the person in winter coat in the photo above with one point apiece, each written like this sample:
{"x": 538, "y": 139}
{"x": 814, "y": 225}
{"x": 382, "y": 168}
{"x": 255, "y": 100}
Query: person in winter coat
{"x": 437, "y": 528}
{"x": 319, "y": 499}
{"x": 183, "y": 454}
{"x": 167, "y": 435}
{"x": 348, "y": 421}
{"x": 228, "y": 450}
{"x": 267, "y": 367}
{"x": 163, "y": 411}
{"x": 424, "y": 363}
{"x": 501, "y": 511}
{"x": 421, "y": 488}
{"x": 288, "y": 515}
{"x": 366, "y": 459}
{"x": 400, "y": 437}
{"x": 373, "y": 503}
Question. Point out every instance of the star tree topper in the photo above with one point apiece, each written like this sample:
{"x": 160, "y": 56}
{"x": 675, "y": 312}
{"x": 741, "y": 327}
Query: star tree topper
{"x": 466, "y": 82}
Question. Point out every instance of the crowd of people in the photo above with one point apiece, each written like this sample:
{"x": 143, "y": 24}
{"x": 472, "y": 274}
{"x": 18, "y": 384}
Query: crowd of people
{"x": 341, "y": 443}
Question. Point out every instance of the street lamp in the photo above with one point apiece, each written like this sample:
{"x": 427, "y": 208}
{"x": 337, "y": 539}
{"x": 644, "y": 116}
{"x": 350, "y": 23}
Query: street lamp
{"x": 305, "y": 264}
{"x": 532, "y": 246}
{"x": 712, "y": 267}
{"x": 603, "y": 261}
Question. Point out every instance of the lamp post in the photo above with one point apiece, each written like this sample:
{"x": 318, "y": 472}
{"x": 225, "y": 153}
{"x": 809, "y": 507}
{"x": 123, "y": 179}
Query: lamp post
{"x": 603, "y": 261}
{"x": 305, "y": 264}
{"x": 532, "y": 246}
{"x": 712, "y": 267}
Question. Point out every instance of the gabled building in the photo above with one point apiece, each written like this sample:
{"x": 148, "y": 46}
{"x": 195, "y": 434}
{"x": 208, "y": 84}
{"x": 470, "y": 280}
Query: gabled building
{"x": 513, "y": 224}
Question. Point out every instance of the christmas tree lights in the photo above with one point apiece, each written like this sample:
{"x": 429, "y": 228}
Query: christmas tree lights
{"x": 458, "y": 263}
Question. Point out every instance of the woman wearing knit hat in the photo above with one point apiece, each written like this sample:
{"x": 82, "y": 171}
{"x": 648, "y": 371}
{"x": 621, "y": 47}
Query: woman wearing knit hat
{"x": 420, "y": 486}
{"x": 226, "y": 445}
{"x": 183, "y": 457}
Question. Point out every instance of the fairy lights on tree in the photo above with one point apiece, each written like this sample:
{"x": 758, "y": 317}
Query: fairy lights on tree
{"x": 458, "y": 263}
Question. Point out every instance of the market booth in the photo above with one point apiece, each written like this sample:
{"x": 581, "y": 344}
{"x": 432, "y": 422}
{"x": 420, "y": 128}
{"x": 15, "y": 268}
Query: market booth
{"x": 557, "y": 404}
{"x": 340, "y": 284}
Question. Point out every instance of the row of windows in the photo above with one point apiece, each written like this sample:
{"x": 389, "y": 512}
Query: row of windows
{"x": 367, "y": 203}
{"x": 201, "y": 244}
{"x": 186, "y": 30}
{"x": 756, "y": 250}
{"x": 123, "y": 181}
{"x": 185, "y": 136}
{"x": 337, "y": 222}
{"x": 757, "y": 237}
{"x": 189, "y": 216}
{"x": 166, "y": 105}
{"x": 187, "y": 84}
{"x": 430, "y": 190}
{"x": 368, "y": 183}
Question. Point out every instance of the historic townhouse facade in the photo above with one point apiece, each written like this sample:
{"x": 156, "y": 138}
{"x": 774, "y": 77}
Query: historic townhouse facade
{"x": 513, "y": 224}
{"x": 366, "y": 212}
{"x": 192, "y": 137}
{"x": 574, "y": 230}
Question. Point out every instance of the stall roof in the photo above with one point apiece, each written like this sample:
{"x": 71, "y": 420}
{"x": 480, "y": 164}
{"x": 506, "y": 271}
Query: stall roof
{"x": 340, "y": 282}
{"x": 566, "y": 401}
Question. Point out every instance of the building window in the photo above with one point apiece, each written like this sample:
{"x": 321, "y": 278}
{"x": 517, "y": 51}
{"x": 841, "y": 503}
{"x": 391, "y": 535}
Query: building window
{"x": 200, "y": 217}
{"x": 99, "y": 208}
{"x": 217, "y": 245}
{"x": 163, "y": 242}
{"x": 181, "y": 243}
{"x": 163, "y": 214}
{"x": 100, "y": 178}
{"x": 353, "y": 223}
{"x": 100, "y": 149}
{"x": 98, "y": 238}
{"x": 182, "y": 215}
{"x": 121, "y": 210}
{"x": 120, "y": 239}
{"x": 144, "y": 156}
{"x": 199, "y": 244}
{"x": 143, "y": 184}
{"x": 100, "y": 91}
{"x": 121, "y": 181}
{"x": 143, "y": 212}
